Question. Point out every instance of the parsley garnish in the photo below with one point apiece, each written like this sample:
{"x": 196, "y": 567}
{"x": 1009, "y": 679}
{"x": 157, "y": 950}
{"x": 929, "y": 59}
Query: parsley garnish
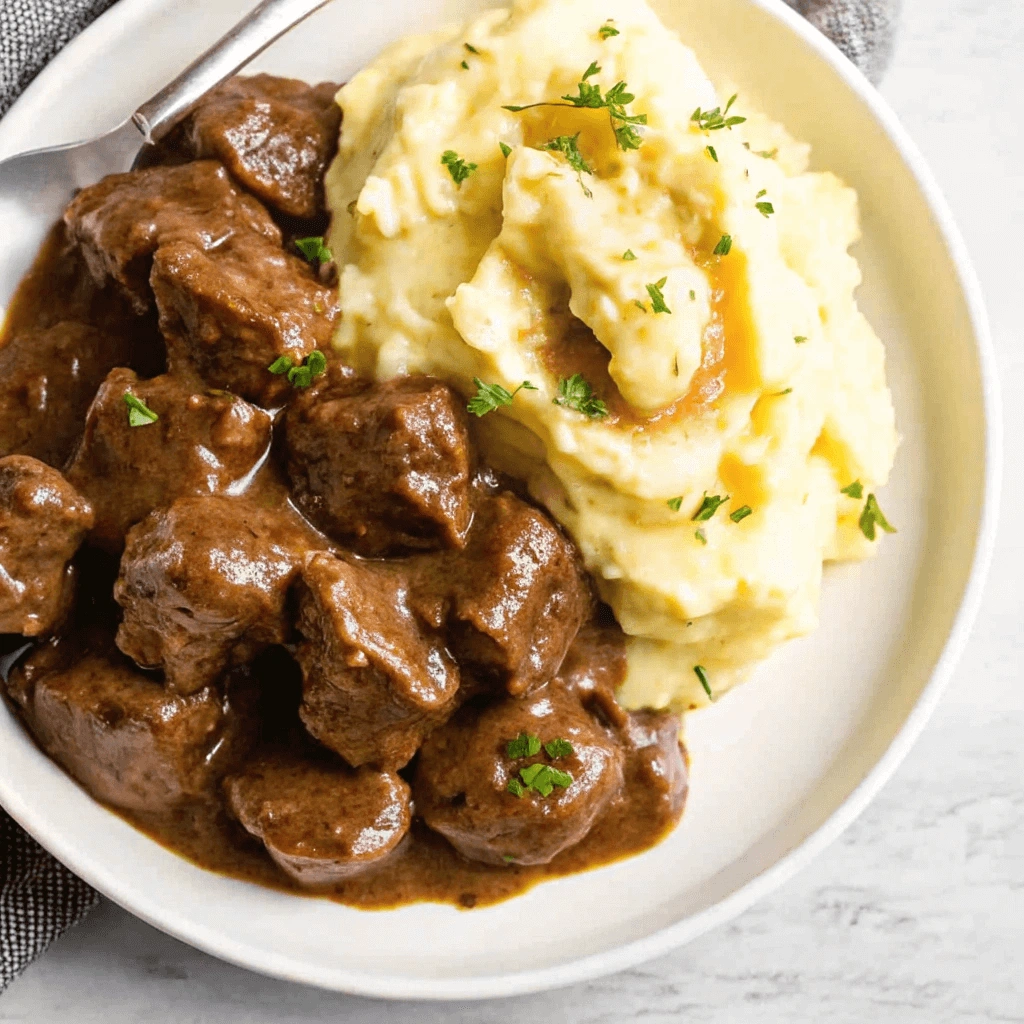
{"x": 139, "y": 414}
{"x": 505, "y": 150}
{"x": 614, "y": 101}
{"x": 524, "y": 745}
{"x": 464, "y": 66}
{"x": 472, "y": 49}
{"x": 675, "y": 503}
{"x": 489, "y": 397}
{"x": 701, "y": 536}
{"x": 457, "y": 167}
{"x": 557, "y": 748}
{"x": 873, "y": 516}
{"x": 568, "y": 146}
{"x": 702, "y": 675}
{"x": 693, "y": 295}
{"x": 657, "y": 298}
{"x": 766, "y": 208}
{"x": 799, "y": 339}
{"x": 629, "y": 255}
{"x": 724, "y": 246}
{"x": 717, "y": 119}
{"x": 767, "y": 154}
{"x": 515, "y": 787}
{"x": 639, "y": 305}
{"x": 576, "y": 393}
{"x": 779, "y": 394}
{"x": 542, "y": 778}
{"x": 314, "y": 250}
{"x": 507, "y": 857}
{"x": 741, "y": 513}
{"x": 708, "y": 507}
{"x": 607, "y": 30}
{"x": 711, "y": 152}
{"x": 300, "y": 376}
{"x": 854, "y": 490}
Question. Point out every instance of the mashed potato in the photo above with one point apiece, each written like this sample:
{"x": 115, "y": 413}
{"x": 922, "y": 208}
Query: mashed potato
{"x": 700, "y": 284}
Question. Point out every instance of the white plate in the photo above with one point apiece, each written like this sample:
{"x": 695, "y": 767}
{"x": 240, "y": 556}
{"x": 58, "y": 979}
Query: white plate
{"x": 782, "y": 765}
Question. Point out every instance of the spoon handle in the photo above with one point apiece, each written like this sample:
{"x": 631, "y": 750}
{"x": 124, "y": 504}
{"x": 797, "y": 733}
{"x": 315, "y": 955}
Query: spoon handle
{"x": 253, "y": 34}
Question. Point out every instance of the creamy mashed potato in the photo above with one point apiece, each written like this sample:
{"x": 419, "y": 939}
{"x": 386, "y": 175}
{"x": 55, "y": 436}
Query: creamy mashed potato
{"x": 730, "y": 354}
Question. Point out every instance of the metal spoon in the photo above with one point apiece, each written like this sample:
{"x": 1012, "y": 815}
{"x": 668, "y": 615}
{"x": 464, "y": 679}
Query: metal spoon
{"x": 35, "y": 187}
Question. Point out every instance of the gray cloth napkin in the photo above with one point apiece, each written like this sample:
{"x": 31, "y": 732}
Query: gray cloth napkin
{"x": 39, "y": 898}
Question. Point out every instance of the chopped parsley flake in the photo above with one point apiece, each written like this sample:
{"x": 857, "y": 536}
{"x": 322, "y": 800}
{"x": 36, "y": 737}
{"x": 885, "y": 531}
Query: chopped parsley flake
{"x": 614, "y": 101}
{"x": 515, "y": 787}
{"x": 139, "y": 414}
{"x": 629, "y": 255}
{"x": 799, "y": 339}
{"x": 639, "y": 305}
{"x": 505, "y": 150}
{"x": 701, "y": 536}
{"x": 854, "y": 490}
{"x": 576, "y": 393}
{"x": 693, "y": 295}
{"x": 489, "y": 397}
{"x": 607, "y": 30}
{"x": 303, "y": 375}
{"x": 779, "y": 394}
{"x": 873, "y": 516}
{"x": 542, "y": 778}
{"x": 717, "y": 119}
{"x": 464, "y": 66}
{"x": 568, "y": 146}
{"x": 711, "y": 152}
{"x": 557, "y": 748}
{"x": 524, "y": 745}
{"x": 458, "y": 168}
{"x": 724, "y": 246}
{"x": 657, "y": 297}
{"x": 766, "y": 208}
{"x": 702, "y": 675}
{"x": 708, "y": 507}
{"x": 741, "y": 513}
{"x": 507, "y": 857}
{"x": 314, "y": 250}
{"x": 471, "y": 49}
{"x": 675, "y": 504}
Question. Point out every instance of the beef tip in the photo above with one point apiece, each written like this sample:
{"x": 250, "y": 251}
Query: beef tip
{"x": 204, "y": 584}
{"x": 48, "y": 380}
{"x": 43, "y": 520}
{"x": 375, "y": 680}
{"x": 383, "y": 467}
{"x": 321, "y": 821}
{"x": 228, "y": 315}
{"x": 121, "y": 734}
{"x": 517, "y": 594}
{"x": 464, "y": 772}
{"x": 657, "y": 764}
{"x": 275, "y": 135}
{"x": 201, "y": 443}
{"x": 123, "y": 219}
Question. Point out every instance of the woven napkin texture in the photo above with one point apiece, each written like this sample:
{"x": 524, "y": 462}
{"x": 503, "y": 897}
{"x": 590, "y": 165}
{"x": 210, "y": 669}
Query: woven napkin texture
{"x": 39, "y": 898}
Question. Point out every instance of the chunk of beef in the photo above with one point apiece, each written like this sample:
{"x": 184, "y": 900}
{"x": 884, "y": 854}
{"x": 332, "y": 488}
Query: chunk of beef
{"x": 516, "y": 594}
{"x": 375, "y": 681}
{"x": 321, "y": 821}
{"x": 43, "y": 520}
{"x": 228, "y": 315}
{"x": 657, "y": 764}
{"x": 47, "y": 380}
{"x": 123, "y": 219}
{"x": 464, "y": 772}
{"x": 275, "y": 135}
{"x": 204, "y": 584}
{"x": 201, "y": 443}
{"x": 121, "y": 734}
{"x": 385, "y": 466}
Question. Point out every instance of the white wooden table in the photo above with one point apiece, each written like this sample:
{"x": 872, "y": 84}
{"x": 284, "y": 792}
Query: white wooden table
{"x": 916, "y": 915}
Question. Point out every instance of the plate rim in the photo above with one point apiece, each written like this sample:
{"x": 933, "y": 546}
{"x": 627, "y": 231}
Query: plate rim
{"x": 619, "y": 958}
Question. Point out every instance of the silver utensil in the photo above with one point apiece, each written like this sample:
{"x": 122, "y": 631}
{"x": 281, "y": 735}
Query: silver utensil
{"x": 35, "y": 187}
